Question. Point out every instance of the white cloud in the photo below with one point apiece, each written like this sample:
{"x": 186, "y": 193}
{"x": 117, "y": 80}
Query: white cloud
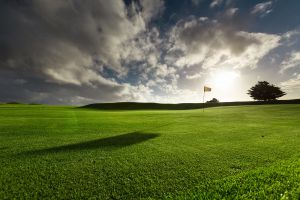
{"x": 231, "y": 12}
{"x": 215, "y": 3}
{"x": 213, "y": 45}
{"x": 138, "y": 93}
{"x": 292, "y": 61}
{"x": 262, "y": 8}
{"x": 194, "y": 76}
{"x": 152, "y": 9}
{"x": 292, "y": 85}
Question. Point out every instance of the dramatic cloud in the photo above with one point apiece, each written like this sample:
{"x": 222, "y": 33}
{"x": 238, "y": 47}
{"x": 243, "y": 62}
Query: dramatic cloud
{"x": 79, "y": 52}
{"x": 211, "y": 44}
{"x": 51, "y": 34}
{"x": 71, "y": 42}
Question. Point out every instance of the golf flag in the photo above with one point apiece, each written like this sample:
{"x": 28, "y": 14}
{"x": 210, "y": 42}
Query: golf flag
{"x": 207, "y": 89}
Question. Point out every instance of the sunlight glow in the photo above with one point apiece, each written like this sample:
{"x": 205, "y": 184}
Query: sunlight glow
{"x": 224, "y": 79}
{"x": 224, "y": 84}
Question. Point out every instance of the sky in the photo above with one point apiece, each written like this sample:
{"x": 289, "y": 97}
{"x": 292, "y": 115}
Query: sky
{"x": 76, "y": 52}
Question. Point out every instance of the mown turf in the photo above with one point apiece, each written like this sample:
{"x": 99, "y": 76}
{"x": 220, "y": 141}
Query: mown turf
{"x": 225, "y": 152}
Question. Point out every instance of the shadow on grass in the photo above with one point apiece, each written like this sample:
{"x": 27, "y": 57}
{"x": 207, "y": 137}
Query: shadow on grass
{"x": 108, "y": 143}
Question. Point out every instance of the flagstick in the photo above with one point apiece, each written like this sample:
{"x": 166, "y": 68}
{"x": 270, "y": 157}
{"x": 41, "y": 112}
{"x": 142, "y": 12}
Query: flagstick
{"x": 203, "y": 100}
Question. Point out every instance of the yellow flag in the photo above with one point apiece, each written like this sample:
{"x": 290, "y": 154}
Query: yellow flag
{"x": 207, "y": 89}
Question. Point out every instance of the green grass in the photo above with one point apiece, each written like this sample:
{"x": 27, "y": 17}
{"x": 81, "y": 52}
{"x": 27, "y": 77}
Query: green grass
{"x": 237, "y": 152}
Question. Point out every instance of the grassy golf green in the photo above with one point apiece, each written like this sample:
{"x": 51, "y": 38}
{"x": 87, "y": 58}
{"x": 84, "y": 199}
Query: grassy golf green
{"x": 225, "y": 152}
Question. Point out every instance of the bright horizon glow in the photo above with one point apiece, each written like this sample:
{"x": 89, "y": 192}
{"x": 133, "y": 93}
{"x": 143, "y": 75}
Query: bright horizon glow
{"x": 224, "y": 84}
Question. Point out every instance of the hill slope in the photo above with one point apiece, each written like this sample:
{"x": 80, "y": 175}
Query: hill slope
{"x": 181, "y": 106}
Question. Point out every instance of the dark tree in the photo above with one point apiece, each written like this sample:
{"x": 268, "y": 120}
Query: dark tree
{"x": 214, "y": 100}
{"x": 264, "y": 91}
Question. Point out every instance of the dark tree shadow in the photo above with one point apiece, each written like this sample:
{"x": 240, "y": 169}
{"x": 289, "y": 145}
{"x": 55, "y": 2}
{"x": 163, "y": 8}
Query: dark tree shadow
{"x": 108, "y": 143}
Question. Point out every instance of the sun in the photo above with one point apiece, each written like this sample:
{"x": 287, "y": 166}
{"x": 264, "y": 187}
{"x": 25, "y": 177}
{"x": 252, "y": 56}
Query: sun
{"x": 224, "y": 79}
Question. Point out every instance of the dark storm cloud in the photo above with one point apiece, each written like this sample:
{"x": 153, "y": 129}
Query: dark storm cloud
{"x": 30, "y": 89}
{"x": 55, "y": 44}
{"x": 54, "y": 34}
{"x": 198, "y": 33}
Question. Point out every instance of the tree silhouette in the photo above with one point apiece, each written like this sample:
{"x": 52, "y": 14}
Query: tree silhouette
{"x": 264, "y": 91}
{"x": 214, "y": 100}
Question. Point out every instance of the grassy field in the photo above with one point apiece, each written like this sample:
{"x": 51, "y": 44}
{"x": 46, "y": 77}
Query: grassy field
{"x": 242, "y": 152}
